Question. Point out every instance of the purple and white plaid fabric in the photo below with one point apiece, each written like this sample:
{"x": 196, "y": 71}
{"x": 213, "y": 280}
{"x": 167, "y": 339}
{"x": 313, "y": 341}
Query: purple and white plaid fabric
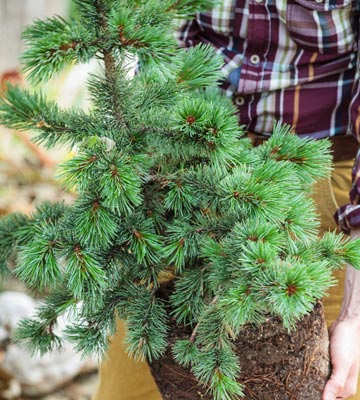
{"x": 292, "y": 61}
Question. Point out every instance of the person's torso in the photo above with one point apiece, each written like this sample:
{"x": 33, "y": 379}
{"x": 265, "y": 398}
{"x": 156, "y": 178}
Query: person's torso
{"x": 287, "y": 60}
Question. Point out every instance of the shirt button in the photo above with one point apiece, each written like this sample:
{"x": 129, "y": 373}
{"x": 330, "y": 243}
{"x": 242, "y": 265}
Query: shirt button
{"x": 254, "y": 59}
{"x": 239, "y": 101}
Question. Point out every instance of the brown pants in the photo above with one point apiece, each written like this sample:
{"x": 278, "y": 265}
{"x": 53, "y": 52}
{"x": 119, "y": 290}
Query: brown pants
{"x": 123, "y": 379}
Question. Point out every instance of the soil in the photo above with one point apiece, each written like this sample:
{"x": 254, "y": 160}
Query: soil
{"x": 275, "y": 365}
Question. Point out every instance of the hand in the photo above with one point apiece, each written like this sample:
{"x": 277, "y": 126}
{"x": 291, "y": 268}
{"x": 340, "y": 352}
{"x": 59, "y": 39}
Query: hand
{"x": 345, "y": 360}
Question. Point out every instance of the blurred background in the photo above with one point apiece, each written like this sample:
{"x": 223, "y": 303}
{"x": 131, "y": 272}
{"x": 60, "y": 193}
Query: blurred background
{"x": 27, "y": 178}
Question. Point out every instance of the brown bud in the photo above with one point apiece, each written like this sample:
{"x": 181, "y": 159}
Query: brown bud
{"x": 138, "y": 234}
{"x": 42, "y": 124}
{"x": 77, "y": 248}
{"x": 291, "y": 290}
{"x": 95, "y": 206}
{"x": 67, "y": 46}
{"x": 12, "y": 76}
{"x": 190, "y": 119}
{"x": 214, "y": 131}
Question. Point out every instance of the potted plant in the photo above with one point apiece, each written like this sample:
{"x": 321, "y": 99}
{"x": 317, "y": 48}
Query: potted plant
{"x": 166, "y": 182}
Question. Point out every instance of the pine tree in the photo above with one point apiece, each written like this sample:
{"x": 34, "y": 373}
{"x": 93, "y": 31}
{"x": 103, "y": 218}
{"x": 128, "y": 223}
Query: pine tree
{"x": 165, "y": 181}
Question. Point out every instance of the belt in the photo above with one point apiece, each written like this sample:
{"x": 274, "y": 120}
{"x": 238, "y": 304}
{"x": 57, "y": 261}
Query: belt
{"x": 343, "y": 147}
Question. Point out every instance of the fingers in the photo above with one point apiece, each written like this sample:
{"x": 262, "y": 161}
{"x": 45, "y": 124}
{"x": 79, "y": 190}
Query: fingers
{"x": 332, "y": 390}
{"x": 335, "y": 386}
{"x": 341, "y": 385}
{"x": 351, "y": 383}
{"x": 345, "y": 360}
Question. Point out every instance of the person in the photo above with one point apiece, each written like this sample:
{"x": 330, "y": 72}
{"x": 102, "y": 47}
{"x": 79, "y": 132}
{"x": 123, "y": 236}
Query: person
{"x": 297, "y": 62}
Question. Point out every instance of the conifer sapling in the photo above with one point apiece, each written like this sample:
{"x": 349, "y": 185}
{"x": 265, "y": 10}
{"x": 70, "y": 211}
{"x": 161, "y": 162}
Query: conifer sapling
{"x": 165, "y": 182}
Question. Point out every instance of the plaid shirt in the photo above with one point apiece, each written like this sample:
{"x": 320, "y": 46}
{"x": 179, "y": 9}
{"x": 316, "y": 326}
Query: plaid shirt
{"x": 293, "y": 61}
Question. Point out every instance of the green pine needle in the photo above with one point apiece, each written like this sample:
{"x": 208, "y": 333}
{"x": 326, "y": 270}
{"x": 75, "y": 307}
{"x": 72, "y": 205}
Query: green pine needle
{"x": 224, "y": 388}
{"x": 239, "y": 306}
{"x": 120, "y": 185}
{"x": 26, "y": 110}
{"x": 187, "y": 299}
{"x": 38, "y": 265}
{"x": 38, "y": 337}
{"x": 53, "y": 44}
{"x": 83, "y": 272}
{"x": 351, "y": 252}
{"x": 87, "y": 339}
{"x": 96, "y": 225}
{"x": 198, "y": 66}
{"x": 185, "y": 353}
{"x": 147, "y": 329}
{"x": 305, "y": 154}
{"x": 187, "y": 8}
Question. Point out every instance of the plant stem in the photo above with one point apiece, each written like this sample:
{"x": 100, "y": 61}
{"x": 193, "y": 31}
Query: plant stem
{"x": 194, "y": 332}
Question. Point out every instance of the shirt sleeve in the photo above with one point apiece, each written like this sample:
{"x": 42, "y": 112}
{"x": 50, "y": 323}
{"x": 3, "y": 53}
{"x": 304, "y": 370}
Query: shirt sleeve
{"x": 348, "y": 215}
